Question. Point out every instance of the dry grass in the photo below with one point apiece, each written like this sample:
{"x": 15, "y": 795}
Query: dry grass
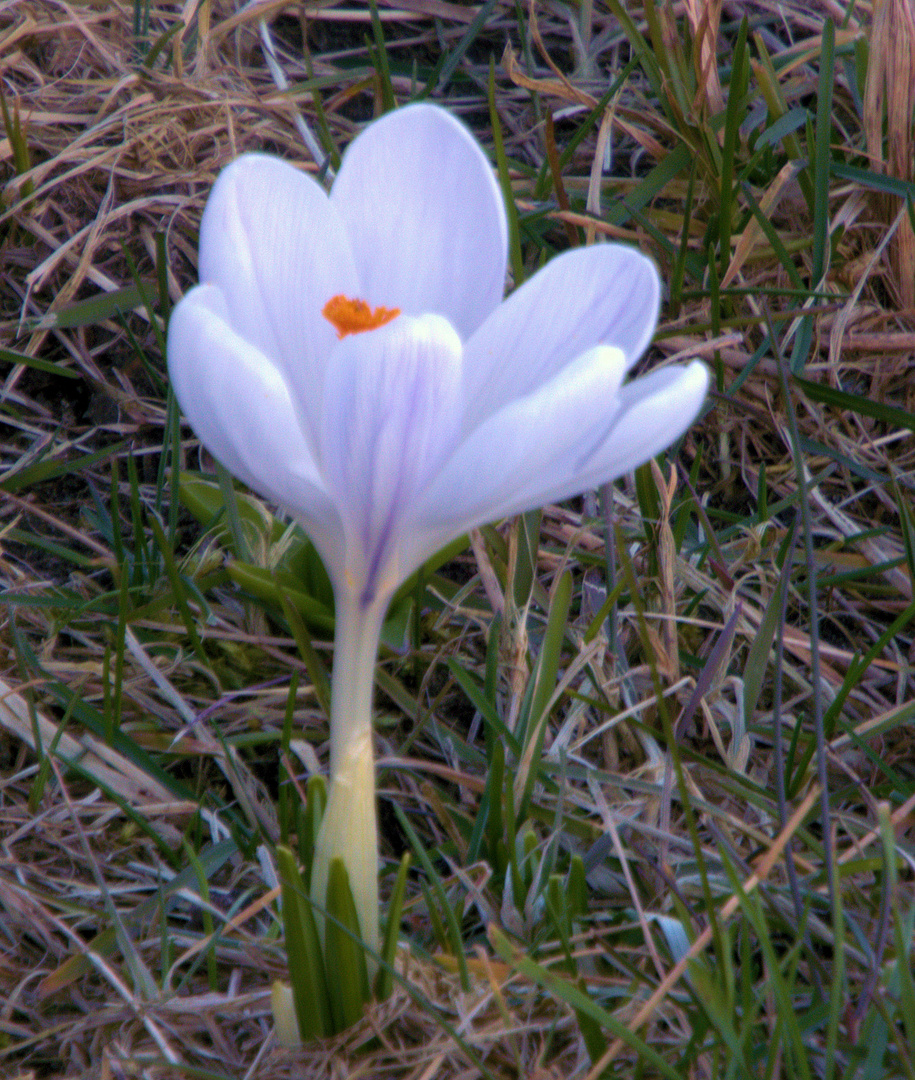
{"x": 138, "y": 935}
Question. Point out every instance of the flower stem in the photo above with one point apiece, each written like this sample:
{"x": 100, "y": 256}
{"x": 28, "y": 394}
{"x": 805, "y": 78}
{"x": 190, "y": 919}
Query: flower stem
{"x": 349, "y": 829}
{"x": 356, "y": 636}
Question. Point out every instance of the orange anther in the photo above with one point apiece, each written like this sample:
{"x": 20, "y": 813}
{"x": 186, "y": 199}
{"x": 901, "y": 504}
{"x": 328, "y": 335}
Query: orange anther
{"x": 355, "y": 316}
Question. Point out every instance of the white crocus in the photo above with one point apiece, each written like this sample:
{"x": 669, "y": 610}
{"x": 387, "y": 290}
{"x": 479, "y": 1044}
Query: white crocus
{"x": 350, "y": 357}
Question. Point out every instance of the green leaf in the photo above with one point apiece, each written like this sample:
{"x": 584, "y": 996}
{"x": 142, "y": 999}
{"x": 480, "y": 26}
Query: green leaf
{"x": 303, "y": 952}
{"x": 94, "y": 309}
{"x": 735, "y": 112}
{"x": 452, "y": 928}
{"x": 508, "y": 195}
{"x": 384, "y": 981}
{"x": 380, "y": 57}
{"x": 10, "y": 356}
{"x": 265, "y": 585}
{"x": 821, "y": 152}
{"x": 890, "y": 415}
{"x": 348, "y": 979}
{"x": 40, "y": 472}
{"x": 577, "y": 889}
{"x": 449, "y": 62}
{"x": 545, "y": 686}
{"x": 757, "y": 658}
{"x": 310, "y": 823}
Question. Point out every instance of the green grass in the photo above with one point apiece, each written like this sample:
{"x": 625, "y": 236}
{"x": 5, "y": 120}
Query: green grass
{"x": 651, "y": 753}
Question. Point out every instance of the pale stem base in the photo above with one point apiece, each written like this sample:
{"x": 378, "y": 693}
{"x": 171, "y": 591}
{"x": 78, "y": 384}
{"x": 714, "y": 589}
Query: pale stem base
{"x": 349, "y": 830}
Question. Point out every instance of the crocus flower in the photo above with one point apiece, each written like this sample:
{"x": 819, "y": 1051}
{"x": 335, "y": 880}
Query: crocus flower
{"x": 350, "y": 357}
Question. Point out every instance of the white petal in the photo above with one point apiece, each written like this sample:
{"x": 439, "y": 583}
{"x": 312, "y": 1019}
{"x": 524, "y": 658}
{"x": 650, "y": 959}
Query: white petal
{"x": 425, "y": 217}
{"x": 239, "y": 405}
{"x": 533, "y": 441}
{"x": 606, "y": 294}
{"x": 392, "y": 416}
{"x": 276, "y": 248}
{"x": 655, "y": 410}
{"x": 552, "y": 446}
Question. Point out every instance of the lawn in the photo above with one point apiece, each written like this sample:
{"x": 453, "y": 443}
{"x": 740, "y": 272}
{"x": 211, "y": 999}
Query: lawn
{"x": 650, "y": 750}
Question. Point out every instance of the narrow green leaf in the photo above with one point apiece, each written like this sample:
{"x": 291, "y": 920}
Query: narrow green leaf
{"x": 757, "y": 663}
{"x": 114, "y": 703}
{"x": 93, "y": 310}
{"x": 735, "y": 111}
{"x": 903, "y": 935}
{"x": 452, "y": 929}
{"x": 384, "y": 981}
{"x": 906, "y": 525}
{"x": 508, "y": 195}
{"x": 767, "y": 81}
{"x": 822, "y": 153}
{"x": 545, "y": 686}
{"x": 348, "y": 979}
{"x": 781, "y": 252}
{"x": 477, "y": 698}
{"x": 264, "y": 585}
{"x": 51, "y": 469}
{"x": 495, "y": 786}
{"x": 649, "y": 60}
{"x": 890, "y": 415}
{"x": 310, "y": 823}
{"x": 589, "y": 1026}
{"x": 886, "y": 185}
{"x": 317, "y": 670}
{"x": 159, "y": 44}
{"x": 778, "y": 985}
{"x": 528, "y": 545}
{"x": 232, "y": 505}
{"x": 303, "y": 952}
{"x": 10, "y": 356}
{"x": 178, "y": 591}
{"x": 678, "y": 271}
{"x": 596, "y": 624}
{"x": 678, "y": 161}
{"x": 577, "y": 888}
{"x": 206, "y": 914}
{"x": 382, "y": 67}
{"x": 22, "y": 158}
{"x": 450, "y": 60}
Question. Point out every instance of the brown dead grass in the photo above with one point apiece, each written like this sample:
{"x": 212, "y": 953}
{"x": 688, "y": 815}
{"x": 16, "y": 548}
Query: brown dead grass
{"x": 119, "y": 153}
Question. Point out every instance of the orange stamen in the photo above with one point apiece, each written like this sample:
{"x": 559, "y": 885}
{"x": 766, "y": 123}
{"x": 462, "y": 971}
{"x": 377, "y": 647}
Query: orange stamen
{"x": 355, "y": 316}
